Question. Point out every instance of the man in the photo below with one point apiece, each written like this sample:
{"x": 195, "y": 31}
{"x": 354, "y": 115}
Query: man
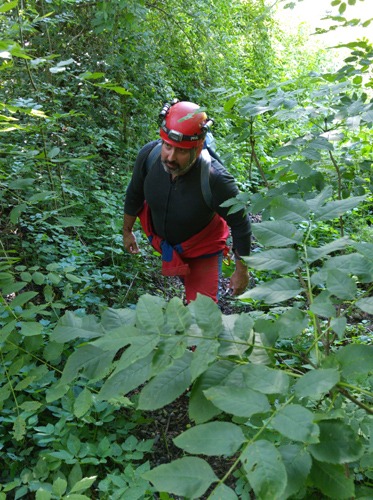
{"x": 170, "y": 201}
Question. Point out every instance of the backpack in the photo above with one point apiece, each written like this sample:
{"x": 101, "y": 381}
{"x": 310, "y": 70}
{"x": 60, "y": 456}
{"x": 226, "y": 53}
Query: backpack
{"x": 206, "y": 155}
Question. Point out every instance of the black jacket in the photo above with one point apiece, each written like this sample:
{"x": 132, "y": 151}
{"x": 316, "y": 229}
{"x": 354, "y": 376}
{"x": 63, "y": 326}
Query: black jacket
{"x": 178, "y": 207}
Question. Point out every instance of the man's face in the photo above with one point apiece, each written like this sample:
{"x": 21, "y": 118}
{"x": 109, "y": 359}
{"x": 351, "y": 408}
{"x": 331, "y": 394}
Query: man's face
{"x": 178, "y": 161}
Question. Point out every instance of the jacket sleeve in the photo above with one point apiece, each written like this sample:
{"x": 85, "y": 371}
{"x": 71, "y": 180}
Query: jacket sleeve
{"x": 134, "y": 198}
{"x": 224, "y": 187}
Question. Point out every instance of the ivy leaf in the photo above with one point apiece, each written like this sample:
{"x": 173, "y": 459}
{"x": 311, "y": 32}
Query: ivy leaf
{"x": 265, "y": 470}
{"x": 214, "y": 438}
{"x": 338, "y": 444}
{"x": 168, "y": 385}
{"x": 281, "y": 260}
{"x": 316, "y": 383}
{"x": 188, "y": 477}
{"x": 238, "y": 401}
{"x": 274, "y": 291}
{"x": 296, "y": 423}
{"x": 331, "y": 480}
{"x": 276, "y": 233}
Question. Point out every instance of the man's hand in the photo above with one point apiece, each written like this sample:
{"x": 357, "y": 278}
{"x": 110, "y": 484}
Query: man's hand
{"x": 129, "y": 239}
{"x": 130, "y": 243}
{"x": 239, "y": 279}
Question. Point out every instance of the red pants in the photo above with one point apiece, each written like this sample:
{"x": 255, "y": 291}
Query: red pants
{"x": 203, "y": 277}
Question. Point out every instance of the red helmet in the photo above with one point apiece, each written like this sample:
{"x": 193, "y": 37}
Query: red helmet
{"x": 182, "y": 125}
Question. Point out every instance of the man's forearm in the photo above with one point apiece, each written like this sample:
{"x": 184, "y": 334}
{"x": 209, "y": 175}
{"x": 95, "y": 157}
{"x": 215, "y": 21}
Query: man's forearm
{"x": 128, "y": 223}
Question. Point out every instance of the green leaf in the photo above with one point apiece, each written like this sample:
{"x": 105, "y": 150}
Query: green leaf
{"x": 83, "y": 403}
{"x": 71, "y": 221}
{"x": 124, "y": 381}
{"x": 297, "y": 463}
{"x": 323, "y": 306}
{"x": 296, "y": 423}
{"x": 282, "y": 260}
{"x": 223, "y": 492}
{"x": 168, "y": 385}
{"x": 16, "y": 212}
{"x": 207, "y": 314}
{"x": 188, "y": 477}
{"x": 315, "y": 384}
{"x": 59, "y": 486}
{"x": 214, "y": 438}
{"x": 284, "y": 151}
{"x": 90, "y": 359}
{"x": 291, "y": 323}
{"x": 318, "y": 201}
{"x": 265, "y": 470}
{"x": 274, "y": 291}
{"x": 200, "y": 409}
{"x": 111, "y": 319}
{"x": 259, "y": 378}
{"x": 338, "y": 325}
{"x": 340, "y": 284}
{"x": 331, "y": 480}
{"x": 336, "y": 208}
{"x": 73, "y": 278}
{"x": 19, "y": 428}
{"x": 140, "y": 348}
{"x": 204, "y": 355}
{"x": 289, "y": 209}
{"x": 314, "y": 254}
{"x": 8, "y": 6}
{"x": 118, "y": 338}
{"x": 71, "y": 327}
{"x": 149, "y": 315}
{"x": 238, "y": 401}
{"x": 178, "y": 316}
{"x": 355, "y": 360}
{"x": 366, "y": 305}
{"x": 21, "y": 299}
{"x": 276, "y": 233}
{"x": 338, "y": 444}
{"x": 31, "y": 328}
{"x": 83, "y": 484}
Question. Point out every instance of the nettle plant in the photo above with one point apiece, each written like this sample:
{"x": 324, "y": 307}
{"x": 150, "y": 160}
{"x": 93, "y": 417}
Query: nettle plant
{"x": 281, "y": 392}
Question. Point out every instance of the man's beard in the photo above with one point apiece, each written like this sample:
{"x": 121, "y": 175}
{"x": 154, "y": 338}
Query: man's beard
{"x": 174, "y": 168}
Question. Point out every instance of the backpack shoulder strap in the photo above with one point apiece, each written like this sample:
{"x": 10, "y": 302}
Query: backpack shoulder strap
{"x": 153, "y": 156}
{"x": 205, "y": 177}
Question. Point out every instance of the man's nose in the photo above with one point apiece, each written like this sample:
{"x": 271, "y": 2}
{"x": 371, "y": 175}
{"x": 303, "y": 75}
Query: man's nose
{"x": 171, "y": 154}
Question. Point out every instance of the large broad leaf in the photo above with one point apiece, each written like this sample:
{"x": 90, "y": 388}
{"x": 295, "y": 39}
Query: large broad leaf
{"x": 214, "y": 438}
{"x": 291, "y": 323}
{"x": 340, "y": 284}
{"x": 178, "y": 316}
{"x": 289, "y": 209}
{"x": 223, "y": 492}
{"x": 71, "y": 327}
{"x": 366, "y": 305}
{"x": 353, "y": 263}
{"x": 149, "y": 314}
{"x": 238, "y": 401}
{"x": 282, "y": 260}
{"x": 322, "y": 305}
{"x": 297, "y": 463}
{"x": 276, "y": 233}
{"x": 336, "y": 208}
{"x": 315, "y": 384}
{"x": 207, "y": 314}
{"x": 168, "y": 349}
{"x": 314, "y": 254}
{"x": 265, "y": 470}
{"x": 339, "y": 444}
{"x": 116, "y": 318}
{"x": 168, "y": 385}
{"x": 200, "y": 409}
{"x": 355, "y": 360}
{"x": 332, "y": 481}
{"x": 140, "y": 348}
{"x": 123, "y": 381}
{"x": 296, "y": 423}
{"x": 318, "y": 201}
{"x": 118, "y": 338}
{"x": 205, "y": 354}
{"x": 188, "y": 477}
{"x": 92, "y": 361}
{"x": 274, "y": 291}
{"x": 259, "y": 378}
{"x": 237, "y": 335}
